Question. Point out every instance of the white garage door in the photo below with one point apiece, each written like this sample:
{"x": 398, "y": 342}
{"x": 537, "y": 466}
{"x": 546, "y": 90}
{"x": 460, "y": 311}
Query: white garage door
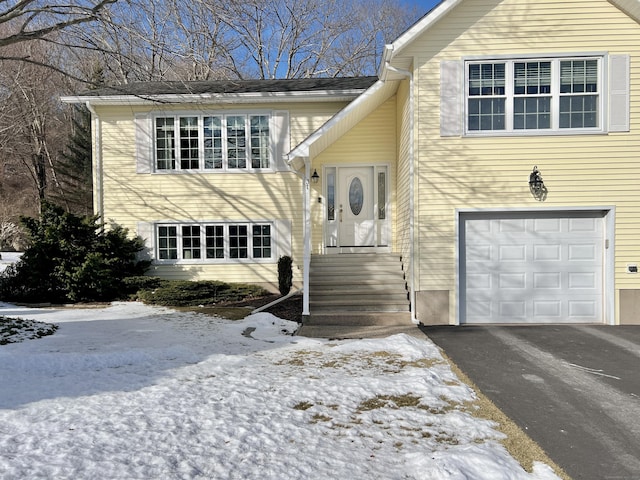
{"x": 532, "y": 268}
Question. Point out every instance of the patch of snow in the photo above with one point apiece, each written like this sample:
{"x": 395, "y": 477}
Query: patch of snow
{"x": 8, "y": 258}
{"x": 141, "y": 392}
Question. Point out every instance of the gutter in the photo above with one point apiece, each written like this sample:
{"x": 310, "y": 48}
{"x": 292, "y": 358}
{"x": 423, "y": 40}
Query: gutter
{"x": 98, "y": 201}
{"x": 412, "y": 289}
{"x": 218, "y": 98}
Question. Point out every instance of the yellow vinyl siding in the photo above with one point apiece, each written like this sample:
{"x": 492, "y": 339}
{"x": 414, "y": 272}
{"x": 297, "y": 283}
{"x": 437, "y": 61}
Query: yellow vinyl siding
{"x": 131, "y": 198}
{"x": 492, "y": 172}
{"x": 371, "y": 142}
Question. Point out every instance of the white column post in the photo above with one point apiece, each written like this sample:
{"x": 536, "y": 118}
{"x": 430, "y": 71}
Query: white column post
{"x": 306, "y": 260}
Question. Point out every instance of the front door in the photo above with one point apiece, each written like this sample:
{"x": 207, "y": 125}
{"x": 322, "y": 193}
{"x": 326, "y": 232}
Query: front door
{"x": 356, "y": 219}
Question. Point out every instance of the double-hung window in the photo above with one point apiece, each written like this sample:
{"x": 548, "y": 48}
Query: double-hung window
{"x": 534, "y": 95}
{"x": 215, "y": 243}
{"x": 230, "y": 142}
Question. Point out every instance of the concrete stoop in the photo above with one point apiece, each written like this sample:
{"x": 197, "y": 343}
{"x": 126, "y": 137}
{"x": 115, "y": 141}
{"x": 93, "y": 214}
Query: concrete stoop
{"x": 357, "y": 290}
{"x": 339, "y": 332}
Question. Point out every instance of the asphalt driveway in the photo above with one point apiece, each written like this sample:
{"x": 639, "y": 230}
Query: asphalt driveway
{"x": 574, "y": 389}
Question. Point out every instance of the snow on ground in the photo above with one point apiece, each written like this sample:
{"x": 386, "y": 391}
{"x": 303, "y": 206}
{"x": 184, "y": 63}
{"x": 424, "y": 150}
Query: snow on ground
{"x": 138, "y": 392}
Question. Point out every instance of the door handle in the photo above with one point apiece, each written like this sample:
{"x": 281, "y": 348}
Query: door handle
{"x": 340, "y": 213}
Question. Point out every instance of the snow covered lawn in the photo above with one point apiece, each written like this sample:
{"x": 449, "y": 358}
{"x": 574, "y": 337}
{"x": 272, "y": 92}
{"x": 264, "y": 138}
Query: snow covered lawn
{"x": 140, "y": 392}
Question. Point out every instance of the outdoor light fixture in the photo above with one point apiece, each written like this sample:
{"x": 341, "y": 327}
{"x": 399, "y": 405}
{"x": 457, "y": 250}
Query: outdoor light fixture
{"x": 536, "y": 185}
{"x": 315, "y": 178}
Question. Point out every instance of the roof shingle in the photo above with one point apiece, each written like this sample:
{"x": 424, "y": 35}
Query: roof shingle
{"x": 234, "y": 86}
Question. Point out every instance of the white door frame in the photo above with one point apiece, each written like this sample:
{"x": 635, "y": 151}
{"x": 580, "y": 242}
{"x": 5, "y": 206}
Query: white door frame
{"x": 381, "y": 212}
{"x": 608, "y": 213}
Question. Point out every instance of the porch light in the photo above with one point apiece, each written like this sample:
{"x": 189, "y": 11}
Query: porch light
{"x": 315, "y": 178}
{"x": 536, "y": 185}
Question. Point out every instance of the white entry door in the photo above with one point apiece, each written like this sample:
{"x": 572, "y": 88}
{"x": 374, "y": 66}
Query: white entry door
{"x": 355, "y": 202}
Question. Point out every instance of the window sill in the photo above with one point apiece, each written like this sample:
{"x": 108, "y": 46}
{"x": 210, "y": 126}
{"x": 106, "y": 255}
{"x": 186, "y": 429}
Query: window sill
{"x": 535, "y": 133}
{"x": 213, "y": 171}
{"x": 226, "y": 261}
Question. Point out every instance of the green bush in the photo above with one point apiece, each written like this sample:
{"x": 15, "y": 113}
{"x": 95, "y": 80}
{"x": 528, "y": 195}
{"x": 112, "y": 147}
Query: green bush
{"x": 285, "y": 274}
{"x": 71, "y": 258}
{"x": 183, "y": 293}
{"x": 132, "y": 285}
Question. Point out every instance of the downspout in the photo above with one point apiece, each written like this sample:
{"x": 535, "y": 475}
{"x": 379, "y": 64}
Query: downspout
{"x": 98, "y": 201}
{"x": 412, "y": 288}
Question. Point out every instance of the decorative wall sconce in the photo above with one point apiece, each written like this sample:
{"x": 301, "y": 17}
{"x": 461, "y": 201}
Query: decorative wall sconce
{"x": 315, "y": 178}
{"x": 536, "y": 185}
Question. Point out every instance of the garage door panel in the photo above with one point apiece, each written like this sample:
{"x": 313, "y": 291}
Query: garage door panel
{"x": 545, "y": 269}
{"x": 547, "y": 225}
{"x": 512, "y": 225}
{"x": 547, "y": 309}
{"x": 547, "y": 253}
{"x": 512, "y": 253}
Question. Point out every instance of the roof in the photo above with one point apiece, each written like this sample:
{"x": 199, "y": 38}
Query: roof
{"x": 233, "y": 90}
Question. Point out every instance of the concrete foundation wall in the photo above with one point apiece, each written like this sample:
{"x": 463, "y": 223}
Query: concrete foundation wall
{"x": 432, "y": 307}
{"x": 630, "y": 307}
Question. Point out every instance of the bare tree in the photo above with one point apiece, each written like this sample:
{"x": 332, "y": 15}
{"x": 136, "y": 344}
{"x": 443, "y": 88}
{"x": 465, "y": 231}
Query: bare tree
{"x": 207, "y": 39}
{"x": 154, "y": 41}
{"x": 32, "y": 126}
{"x": 308, "y": 38}
{"x": 27, "y": 20}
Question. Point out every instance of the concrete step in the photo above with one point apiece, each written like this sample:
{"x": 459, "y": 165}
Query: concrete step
{"x": 346, "y": 279}
{"x": 357, "y": 288}
{"x": 327, "y": 308}
{"x": 358, "y": 297}
{"x": 362, "y": 284}
{"x": 359, "y": 318}
{"x": 361, "y": 270}
{"x": 389, "y": 278}
{"x": 343, "y": 332}
{"x": 355, "y": 257}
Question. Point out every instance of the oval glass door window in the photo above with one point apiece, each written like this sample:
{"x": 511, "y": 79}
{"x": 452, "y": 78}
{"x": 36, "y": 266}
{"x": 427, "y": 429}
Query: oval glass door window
{"x": 356, "y": 196}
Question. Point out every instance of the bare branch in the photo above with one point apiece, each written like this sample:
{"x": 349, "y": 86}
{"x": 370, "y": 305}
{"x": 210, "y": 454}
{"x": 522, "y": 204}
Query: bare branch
{"x": 48, "y": 18}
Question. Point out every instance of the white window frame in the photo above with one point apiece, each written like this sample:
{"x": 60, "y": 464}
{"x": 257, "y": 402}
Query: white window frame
{"x": 226, "y": 242}
{"x": 555, "y": 129}
{"x": 201, "y": 142}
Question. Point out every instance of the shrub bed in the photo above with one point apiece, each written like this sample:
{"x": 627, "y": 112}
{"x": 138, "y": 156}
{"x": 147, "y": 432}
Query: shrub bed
{"x": 184, "y": 293}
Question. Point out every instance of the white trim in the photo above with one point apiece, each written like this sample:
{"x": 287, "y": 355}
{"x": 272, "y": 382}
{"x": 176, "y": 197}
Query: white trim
{"x": 555, "y": 96}
{"x": 420, "y": 27}
{"x": 383, "y": 227}
{"x": 608, "y": 211}
{"x": 534, "y": 56}
{"x": 200, "y": 115}
{"x": 218, "y": 98}
{"x": 98, "y": 173}
{"x": 306, "y": 255}
{"x": 276, "y": 242}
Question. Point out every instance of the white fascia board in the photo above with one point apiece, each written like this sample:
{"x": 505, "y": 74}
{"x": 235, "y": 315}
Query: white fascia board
{"x": 418, "y": 28}
{"x": 630, "y": 7}
{"x": 230, "y": 98}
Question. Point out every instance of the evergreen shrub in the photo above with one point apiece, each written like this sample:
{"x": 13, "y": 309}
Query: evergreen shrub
{"x": 285, "y": 274}
{"x": 184, "y": 293}
{"x": 72, "y": 259}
